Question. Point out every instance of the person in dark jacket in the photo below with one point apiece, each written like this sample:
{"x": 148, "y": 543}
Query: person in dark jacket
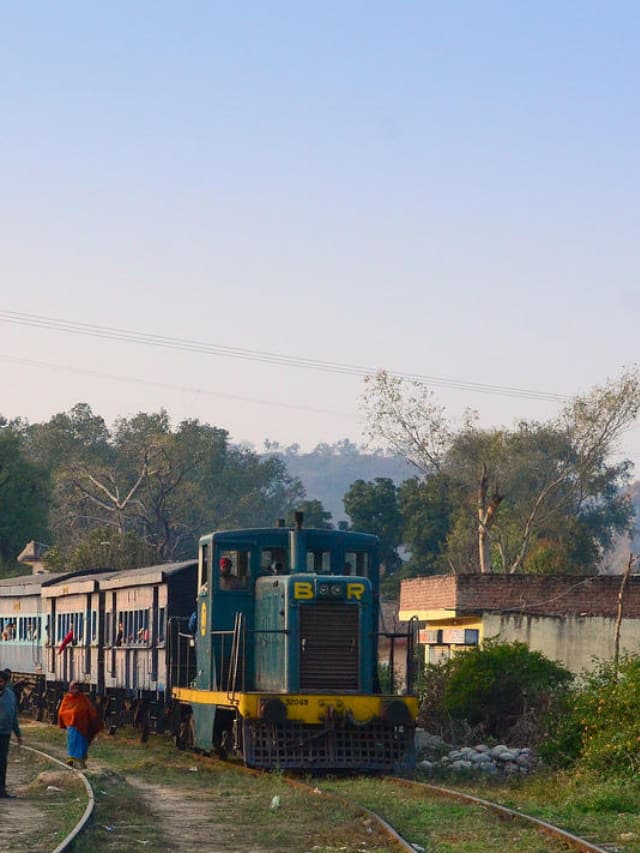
{"x": 8, "y": 724}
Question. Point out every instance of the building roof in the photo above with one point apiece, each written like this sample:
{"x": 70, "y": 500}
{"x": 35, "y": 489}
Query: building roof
{"x": 448, "y": 596}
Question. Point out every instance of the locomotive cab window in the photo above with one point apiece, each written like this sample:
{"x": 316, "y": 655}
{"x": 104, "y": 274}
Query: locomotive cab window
{"x": 273, "y": 561}
{"x": 319, "y": 562}
{"x": 233, "y": 570}
{"x": 356, "y": 563}
{"x": 203, "y": 569}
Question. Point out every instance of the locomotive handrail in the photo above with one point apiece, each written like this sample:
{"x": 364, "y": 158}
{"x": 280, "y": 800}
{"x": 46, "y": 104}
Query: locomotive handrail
{"x": 177, "y": 650}
{"x": 235, "y": 653}
{"x": 409, "y": 636}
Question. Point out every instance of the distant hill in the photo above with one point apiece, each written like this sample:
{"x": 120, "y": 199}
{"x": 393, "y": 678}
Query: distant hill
{"x": 617, "y": 560}
{"x": 328, "y": 471}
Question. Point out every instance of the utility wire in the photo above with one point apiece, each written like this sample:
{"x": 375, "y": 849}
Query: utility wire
{"x": 280, "y": 359}
{"x": 182, "y": 388}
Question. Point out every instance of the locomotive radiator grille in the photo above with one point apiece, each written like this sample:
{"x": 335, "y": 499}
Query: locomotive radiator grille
{"x": 329, "y": 647}
{"x": 376, "y": 746}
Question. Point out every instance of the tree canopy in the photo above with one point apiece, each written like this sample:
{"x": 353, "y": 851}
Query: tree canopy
{"x": 24, "y": 496}
{"x": 144, "y": 490}
{"x": 537, "y": 497}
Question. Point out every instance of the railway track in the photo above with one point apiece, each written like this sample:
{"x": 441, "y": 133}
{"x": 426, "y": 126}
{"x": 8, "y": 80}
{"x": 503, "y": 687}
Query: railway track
{"x": 397, "y": 814}
{"x": 567, "y": 838}
{"x": 67, "y": 842}
{"x": 561, "y": 839}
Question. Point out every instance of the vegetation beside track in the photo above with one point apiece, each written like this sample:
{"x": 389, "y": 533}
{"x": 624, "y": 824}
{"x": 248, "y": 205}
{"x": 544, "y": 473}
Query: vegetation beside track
{"x": 217, "y": 807}
{"x": 233, "y": 810}
{"x": 604, "y": 811}
{"x": 50, "y": 801}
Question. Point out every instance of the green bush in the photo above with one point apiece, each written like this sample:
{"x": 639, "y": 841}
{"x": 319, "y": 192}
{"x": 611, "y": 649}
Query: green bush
{"x": 600, "y": 727}
{"x": 497, "y": 691}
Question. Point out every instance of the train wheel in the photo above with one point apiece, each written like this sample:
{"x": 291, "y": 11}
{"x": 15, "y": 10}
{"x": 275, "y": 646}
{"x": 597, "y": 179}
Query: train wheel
{"x": 186, "y": 734}
{"x": 222, "y": 747}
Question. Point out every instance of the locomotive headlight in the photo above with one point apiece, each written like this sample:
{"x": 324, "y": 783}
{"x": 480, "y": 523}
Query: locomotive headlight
{"x": 323, "y": 590}
{"x": 337, "y": 590}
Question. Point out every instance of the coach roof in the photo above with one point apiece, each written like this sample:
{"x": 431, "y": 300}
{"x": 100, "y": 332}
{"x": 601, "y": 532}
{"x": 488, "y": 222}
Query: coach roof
{"x": 146, "y": 574}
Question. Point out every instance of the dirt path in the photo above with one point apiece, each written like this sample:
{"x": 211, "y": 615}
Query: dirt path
{"x": 151, "y": 798}
{"x": 192, "y": 820}
{"x": 32, "y": 821}
{"x": 183, "y": 820}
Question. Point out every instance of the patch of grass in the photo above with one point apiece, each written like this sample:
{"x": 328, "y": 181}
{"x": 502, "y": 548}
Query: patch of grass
{"x": 438, "y": 824}
{"x": 235, "y": 808}
{"x": 606, "y": 811}
{"x": 120, "y": 820}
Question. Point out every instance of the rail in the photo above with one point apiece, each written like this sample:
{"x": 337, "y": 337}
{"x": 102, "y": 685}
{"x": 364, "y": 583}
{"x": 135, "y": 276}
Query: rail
{"x": 568, "y": 838}
{"x": 67, "y": 842}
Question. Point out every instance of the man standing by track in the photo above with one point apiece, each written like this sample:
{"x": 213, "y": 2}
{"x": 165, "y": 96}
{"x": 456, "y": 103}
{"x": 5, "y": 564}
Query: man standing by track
{"x": 8, "y": 723}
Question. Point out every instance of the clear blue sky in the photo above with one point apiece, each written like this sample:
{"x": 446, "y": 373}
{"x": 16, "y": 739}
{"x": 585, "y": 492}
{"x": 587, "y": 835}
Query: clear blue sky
{"x": 448, "y": 189}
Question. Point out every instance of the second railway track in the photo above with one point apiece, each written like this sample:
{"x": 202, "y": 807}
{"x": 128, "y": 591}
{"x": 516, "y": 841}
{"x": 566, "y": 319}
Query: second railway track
{"x": 159, "y": 798}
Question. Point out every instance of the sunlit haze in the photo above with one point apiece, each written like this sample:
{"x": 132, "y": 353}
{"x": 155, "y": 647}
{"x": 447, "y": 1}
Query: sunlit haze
{"x": 444, "y": 190}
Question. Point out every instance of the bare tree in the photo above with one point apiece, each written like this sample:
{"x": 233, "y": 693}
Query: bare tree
{"x": 103, "y": 491}
{"x": 593, "y": 423}
{"x": 487, "y": 509}
{"x": 623, "y": 586}
{"x": 406, "y": 416}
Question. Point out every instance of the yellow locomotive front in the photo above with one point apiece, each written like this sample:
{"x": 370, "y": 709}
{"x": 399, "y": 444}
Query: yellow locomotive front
{"x": 287, "y": 654}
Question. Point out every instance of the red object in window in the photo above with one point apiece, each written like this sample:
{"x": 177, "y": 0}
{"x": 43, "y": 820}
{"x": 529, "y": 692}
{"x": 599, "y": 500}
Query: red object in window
{"x": 67, "y": 639}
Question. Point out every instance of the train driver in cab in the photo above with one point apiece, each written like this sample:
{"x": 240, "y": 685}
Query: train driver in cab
{"x": 227, "y": 580}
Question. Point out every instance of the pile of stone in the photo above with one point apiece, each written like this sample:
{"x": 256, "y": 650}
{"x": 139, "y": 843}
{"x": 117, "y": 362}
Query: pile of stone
{"x": 481, "y": 758}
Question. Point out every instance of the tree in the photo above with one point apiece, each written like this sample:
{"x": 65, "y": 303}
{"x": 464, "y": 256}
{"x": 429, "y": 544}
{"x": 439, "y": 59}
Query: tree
{"x": 102, "y": 548}
{"x": 425, "y": 507}
{"x": 373, "y": 508}
{"x": 406, "y": 415}
{"x": 314, "y": 515}
{"x": 156, "y": 488}
{"x": 517, "y": 487}
{"x": 24, "y": 496}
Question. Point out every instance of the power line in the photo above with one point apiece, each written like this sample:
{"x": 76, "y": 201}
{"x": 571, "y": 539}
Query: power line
{"x": 182, "y": 388}
{"x": 280, "y": 359}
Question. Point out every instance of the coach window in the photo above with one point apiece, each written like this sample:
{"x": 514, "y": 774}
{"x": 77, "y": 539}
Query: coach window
{"x": 319, "y": 562}
{"x": 77, "y": 624}
{"x": 161, "y": 621}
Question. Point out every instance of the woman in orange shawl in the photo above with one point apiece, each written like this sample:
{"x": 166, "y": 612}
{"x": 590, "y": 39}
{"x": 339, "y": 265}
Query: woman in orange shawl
{"x": 78, "y": 716}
